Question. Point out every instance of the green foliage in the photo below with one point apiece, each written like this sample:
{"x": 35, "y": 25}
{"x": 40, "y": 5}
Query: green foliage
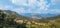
{"x": 7, "y": 21}
{"x": 10, "y": 17}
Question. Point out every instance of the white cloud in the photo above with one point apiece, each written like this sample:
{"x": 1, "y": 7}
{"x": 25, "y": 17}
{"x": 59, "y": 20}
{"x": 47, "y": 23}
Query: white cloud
{"x": 32, "y": 4}
{"x": 55, "y": 8}
{"x": 55, "y": 3}
{"x": 19, "y": 10}
{"x": 19, "y": 2}
{"x": 5, "y": 7}
{"x": 8, "y": 7}
{"x": 55, "y": 11}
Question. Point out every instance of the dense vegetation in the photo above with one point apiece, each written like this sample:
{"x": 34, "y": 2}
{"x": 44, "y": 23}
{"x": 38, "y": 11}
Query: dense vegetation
{"x": 7, "y": 21}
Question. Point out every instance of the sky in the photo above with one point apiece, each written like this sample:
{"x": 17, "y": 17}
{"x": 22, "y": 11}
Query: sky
{"x": 31, "y": 6}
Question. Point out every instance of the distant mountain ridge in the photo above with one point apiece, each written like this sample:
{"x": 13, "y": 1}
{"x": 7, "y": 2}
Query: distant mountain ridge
{"x": 31, "y": 15}
{"x": 9, "y": 11}
{"x": 35, "y": 17}
{"x": 17, "y": 15}
{"x": 38, "y": 15}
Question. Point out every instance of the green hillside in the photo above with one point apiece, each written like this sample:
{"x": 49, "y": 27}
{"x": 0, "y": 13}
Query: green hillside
{"x": 10, "y": 19}
{"x": 7, "y": 21}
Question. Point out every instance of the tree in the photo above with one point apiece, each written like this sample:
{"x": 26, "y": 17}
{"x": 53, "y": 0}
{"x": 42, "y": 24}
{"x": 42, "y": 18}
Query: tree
{"x": 2, "y": 15}
{"x": 23, "y": 25}
{"x": 10, "y": 19}
{"x": 7, "y": 20}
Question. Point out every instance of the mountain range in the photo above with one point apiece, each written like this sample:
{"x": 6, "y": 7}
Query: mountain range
{"x": 34, "y": 16}
{"x": 31, "y": 15}
{"x": 29, "y": 19}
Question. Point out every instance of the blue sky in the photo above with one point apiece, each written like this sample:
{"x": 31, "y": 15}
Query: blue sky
{"x": 31, "y": 6}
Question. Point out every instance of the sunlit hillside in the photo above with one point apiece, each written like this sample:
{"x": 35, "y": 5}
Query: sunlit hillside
{"x": 14, "y": 20}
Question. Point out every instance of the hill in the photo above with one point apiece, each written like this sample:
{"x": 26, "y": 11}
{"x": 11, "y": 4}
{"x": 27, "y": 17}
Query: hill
{"x": 11, "y": 19}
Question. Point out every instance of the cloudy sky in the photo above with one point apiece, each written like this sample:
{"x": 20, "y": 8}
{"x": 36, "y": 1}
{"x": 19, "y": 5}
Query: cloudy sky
{"x": 31, "y": 6}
